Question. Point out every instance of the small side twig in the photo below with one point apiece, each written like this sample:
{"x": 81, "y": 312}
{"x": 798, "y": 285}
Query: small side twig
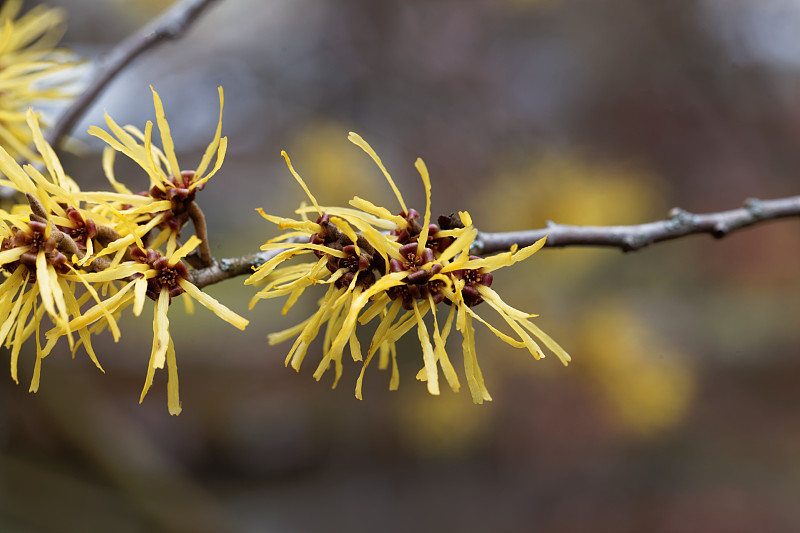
{"x": 200, "y": 230}
{"x": 171, "y": 25}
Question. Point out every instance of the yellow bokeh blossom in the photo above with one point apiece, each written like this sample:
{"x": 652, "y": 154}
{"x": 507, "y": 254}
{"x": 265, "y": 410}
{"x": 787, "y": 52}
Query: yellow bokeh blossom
{"x": 643, "y": 377}
{"x": 376, "y": 264}
{"x": 28, "y": 63}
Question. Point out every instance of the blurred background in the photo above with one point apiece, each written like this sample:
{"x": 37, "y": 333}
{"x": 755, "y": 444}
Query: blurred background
{"x": 680, "y": 409}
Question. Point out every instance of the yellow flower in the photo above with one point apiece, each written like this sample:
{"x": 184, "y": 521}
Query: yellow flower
{"x": 160, "y": 278}
{"x": 145, "y": 263}
{"x": 167, "y": 181}
{"x": 376, "y": 263}
{"x": 66, "y": 247}
{"x": 27, "y": 59}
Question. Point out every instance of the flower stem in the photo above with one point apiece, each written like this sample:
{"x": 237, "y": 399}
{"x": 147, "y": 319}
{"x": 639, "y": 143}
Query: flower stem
{"x": 200, "y": 229}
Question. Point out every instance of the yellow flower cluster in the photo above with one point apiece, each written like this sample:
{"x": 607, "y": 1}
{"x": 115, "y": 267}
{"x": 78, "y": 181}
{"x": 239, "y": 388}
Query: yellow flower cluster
{"x": 376, "y": 264}
{"x": 72, "y": 261}
{"x": 29, "y": 62}
{"x": 80, "y": 258}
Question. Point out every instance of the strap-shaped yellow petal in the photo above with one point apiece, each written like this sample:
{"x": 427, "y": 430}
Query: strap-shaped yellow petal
{"x": 173, "y": 399}
{"x": 301, "y": 182}
{"x": 428, "y": 356}
{"x": 184, "y": 250}
{"x": 426, "y": 180}
{"x": 213, "y": 305}
{"x": 212, "y": 147}
{"x": 166, "y": 137}
{"x": 356, "y": 139}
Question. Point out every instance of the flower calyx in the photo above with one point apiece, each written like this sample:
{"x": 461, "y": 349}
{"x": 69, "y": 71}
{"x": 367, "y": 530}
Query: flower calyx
{"x": 82, "y": 229}
{"x": 360, "y": 258}
{"x": 413, "y": 228}
{"x": 36, "y": 238}
{"x": 181, "y": 192}
{"x": 166, "y": 275}
{"x": 473, "y": 277}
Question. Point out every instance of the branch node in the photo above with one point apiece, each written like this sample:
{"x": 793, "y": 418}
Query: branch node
{"x": 633, "y": 242}
{"x": 755, "y": 207}
{"x": 680, "y": 219}
{"x": 719, "y": 230}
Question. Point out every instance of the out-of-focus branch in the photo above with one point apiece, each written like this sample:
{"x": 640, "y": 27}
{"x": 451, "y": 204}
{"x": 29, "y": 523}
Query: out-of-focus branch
{"x": 171, "y": 25}
{"x": 630, "y": 238}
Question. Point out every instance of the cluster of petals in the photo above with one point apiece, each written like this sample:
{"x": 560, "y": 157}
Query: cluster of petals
{"x": 395, "y": 269}
{"x": 80, "y": 258}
